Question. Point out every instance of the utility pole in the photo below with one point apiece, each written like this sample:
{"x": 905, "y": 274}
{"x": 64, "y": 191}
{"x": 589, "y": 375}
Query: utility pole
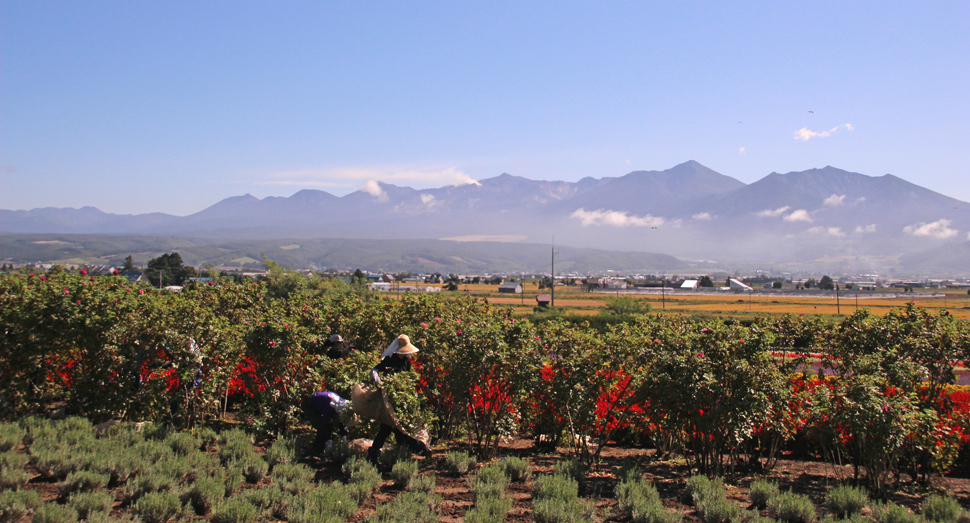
{"x": 552, "y": 295}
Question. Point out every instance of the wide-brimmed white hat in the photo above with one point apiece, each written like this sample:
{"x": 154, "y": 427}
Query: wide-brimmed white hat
{"x": 400, "y": 345}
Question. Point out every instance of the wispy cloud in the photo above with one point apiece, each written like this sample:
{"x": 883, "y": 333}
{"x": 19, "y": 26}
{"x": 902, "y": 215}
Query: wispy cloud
{"x": 938, "y": 229}
{"x": 615, "y": 218}
{"x": 830, "y": 231}
{"x": 351, "y": 177}
{"x": 836, "y": 200}
{"x": 807, "y": 134}
{"x": 702, "y": 216}
{"x": 428, "y": 200}
{"x": 741, "y": 150}
{"x": 772, "y": 213}
{"x": 801, "y": 215}
{"x": 374, "y": 189}
{"x": 866, "y": 229}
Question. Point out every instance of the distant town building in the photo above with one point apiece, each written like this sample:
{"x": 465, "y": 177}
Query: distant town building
{"x": 512, "y": 287}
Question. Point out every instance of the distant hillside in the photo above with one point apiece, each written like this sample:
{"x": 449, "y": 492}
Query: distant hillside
{"x": 373, "y": 255}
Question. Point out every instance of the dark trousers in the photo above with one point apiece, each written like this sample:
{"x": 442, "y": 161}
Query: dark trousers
{"x": 402, "y": 439}
{"x": 324, "y": 422}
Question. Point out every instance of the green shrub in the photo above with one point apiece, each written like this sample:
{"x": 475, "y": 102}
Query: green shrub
{"x": 517, "y": 469}
{"x": 83, "y": 481}
{"x": 235, "y": 510}
{"x": 294, "y": 478}
{"x": 208, "y": 437}
{"x": 157, "y": 507}
{"x": 571, "y": 468}
{"x": 408, "y": 507}
{"x": 792, "y": 508}
{"x": 701, "y": 489}
{"x": 235, "y": 450}
{"x": 457, "y": 462}
{"x": 403, "y": 472}
{"x": 556, "y": 510}
{"x": 54, "y": 513}
{"x": 761, "y": 491}
{"x": 489, "y": 510}
{"x": 18, "y": 504}
{"x": 555, "y": 487}
{"x": 51, "y": 462}
{"x": 940, "y": 508}
{"x": 182, "y": 443}
{"x": 851, "y": 518}
{"x": 233, "y": 480}
{"x": 426, "y": 484}
{"x": 253, "y": 467}
{"x": 205, "y": 494}
{"x": 890, "y": 512}
{"x": 105, "y": 517}
{"x": 11, "y": 436}
{"x": 845, "y": 501}
{"x": 363, "y": 478}
{"x": 636, "y": 496}
{"x": 155, "y": 431}
{"x": 271, "y": 498}
{"x": 282, "y": 451}
{"x": 392, "y": 454}
{"x": 489, "y": 482}
{"x": 147, "y": 483}
{"x": 719, "y": 510}
{"x": 12, "y": 473}
{"x": 86, "y": 503}
{"x": 324, "y": 503}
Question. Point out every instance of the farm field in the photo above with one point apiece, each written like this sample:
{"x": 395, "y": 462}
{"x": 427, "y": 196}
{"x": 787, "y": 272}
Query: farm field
{"x": 577, "y": 301}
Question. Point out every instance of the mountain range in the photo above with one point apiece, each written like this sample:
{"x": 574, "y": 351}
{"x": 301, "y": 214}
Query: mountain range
{"x": 847, "y": 220}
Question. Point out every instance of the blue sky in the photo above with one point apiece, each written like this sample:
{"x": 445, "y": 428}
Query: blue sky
{"x": 137, "y": 107}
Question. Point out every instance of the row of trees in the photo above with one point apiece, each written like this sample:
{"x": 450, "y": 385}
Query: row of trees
{"x": 872, "y": 391}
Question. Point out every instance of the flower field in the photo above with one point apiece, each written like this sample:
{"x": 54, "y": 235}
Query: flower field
{"x": 875, "y": 393}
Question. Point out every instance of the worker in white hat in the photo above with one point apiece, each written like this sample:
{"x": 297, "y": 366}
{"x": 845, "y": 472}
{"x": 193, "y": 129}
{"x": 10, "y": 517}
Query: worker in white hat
{"x": 395, "y": 358}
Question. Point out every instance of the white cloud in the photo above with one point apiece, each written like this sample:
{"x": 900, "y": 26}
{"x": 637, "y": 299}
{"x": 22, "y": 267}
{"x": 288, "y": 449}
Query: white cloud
{"x": 807, "y": 134}
{"x": 801, "y": 215}
{"x": 866, "y": 229}
{"x": 741, "y": 150}
{"x": 615, "y": 218}
{"x": 373, "y": 188}
{"x": 831, "y": 231}
{"x": 773, "y": 213}
{"x": 428, "y": 200}
{"x": 860, "y": 199}
{"x": 702, "y": 216}
{"x": 938, "y": 229}
{"x": 834, "y": 201}
{"x": 351, "y": 177}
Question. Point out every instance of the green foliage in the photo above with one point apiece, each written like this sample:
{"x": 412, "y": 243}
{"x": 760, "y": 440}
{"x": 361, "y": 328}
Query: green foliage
{"x": 408, "y": 507}
{"x": 940, "y": 508}
{"x": 18, "y": 504}
{"x": 205, "y": 494}
{"x": 426, "y": 484}
{"x": 792, "y": 508}
{"x": 12, "y": 473}
{"x": 516, "y": 469}
{"x": 640, "y": 500}
{"x": 182, "y": 443}
{"x": 845, "y": 501}
{"x": 54, "y": 513}
{"x": 889, "y": 512}
{"x": 489, "y": 482}
{"x": 157, "y": 507}
{"x": 294, "y": 478}
{"x": 556, "y": 510}
{"x": 571, "y": 468}
{"x": 555, "y": 487}
{"x": 235, "y": 510}
{"x": 83, "y": 481}
{"x": 403, "y": 472}
{"x": 11, "y": 436}
{"x": 627, "y": 305}
{"x": 459, "y": 462}
{"x": 760, "y": 491}
{"x": 363, "y": 476}
{"x": 254, "y": 468}
{"x": 87, "y": 503}
{"x": 709, "y": 499}
{"x": 324, "y": 503}
{"x": 282, "y": 451}
{"x": 489, "y": 510}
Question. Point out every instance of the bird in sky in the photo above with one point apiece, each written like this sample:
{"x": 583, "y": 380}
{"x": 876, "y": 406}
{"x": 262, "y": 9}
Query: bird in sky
{"x": 813, "y": 112}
